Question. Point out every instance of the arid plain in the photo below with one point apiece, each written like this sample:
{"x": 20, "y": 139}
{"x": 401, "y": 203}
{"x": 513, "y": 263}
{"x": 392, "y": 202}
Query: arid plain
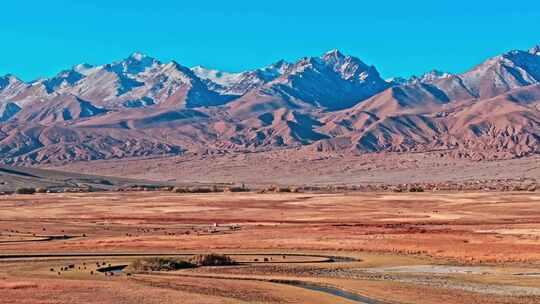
{"x": 432, "y": 247}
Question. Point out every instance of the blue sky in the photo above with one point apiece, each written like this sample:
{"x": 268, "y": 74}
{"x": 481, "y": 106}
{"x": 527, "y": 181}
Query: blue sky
{"x": 39, "y": 38}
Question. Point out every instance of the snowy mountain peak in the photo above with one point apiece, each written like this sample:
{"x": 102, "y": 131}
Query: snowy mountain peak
{"x": 280, "y": 65}
{"x": 84, "y": 69}
{"x": 207, "y": 73}
{"x": 201, "y": 71}
{"x": 310, "y": 61}
{"x": 349, "y": 67}
{"x": 335, "y": 54}
{"x": 63, "y": 79}
{"x": 141, "y": 59}
{"x": 175, "y": 71}
{"x": 242, "y": 82}
{"x": 138, "y": 56}
{"x": 173, "y": 65}
{"x": 219, "y": 77}
{"x": 336, "y": 57}
{"x": 428, "y": 77}
{"x": 397, "y": 81}
{"x": 431, "y": 76}
{"x": 274, "y": 70}
{"x": 136, "y": 63}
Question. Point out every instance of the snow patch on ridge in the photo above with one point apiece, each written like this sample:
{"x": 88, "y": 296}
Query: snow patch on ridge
{"x": 222, "y": 78}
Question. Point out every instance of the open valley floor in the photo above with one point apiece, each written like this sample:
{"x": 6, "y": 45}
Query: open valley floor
{"x": 468, "y": 247}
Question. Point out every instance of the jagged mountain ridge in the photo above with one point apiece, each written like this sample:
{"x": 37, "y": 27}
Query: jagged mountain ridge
{"x": 140, "y": 106}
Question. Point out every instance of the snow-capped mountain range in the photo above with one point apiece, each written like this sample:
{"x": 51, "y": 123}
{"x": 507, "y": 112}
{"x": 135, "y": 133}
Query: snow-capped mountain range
{"x": 140, "y": 106}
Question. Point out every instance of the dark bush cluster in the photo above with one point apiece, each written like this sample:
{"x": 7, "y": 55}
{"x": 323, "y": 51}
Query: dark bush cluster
{"x": 236, "y": 189}
{"x": 278, "y": 189}
{"x": 213, "y": 189}
{"x": 212, "y": 259}
{"x": 192, "y": 190}
{"x": 160, "y": 264}
{"x": 25, "y": 190}
{"x": 171, "y": 263}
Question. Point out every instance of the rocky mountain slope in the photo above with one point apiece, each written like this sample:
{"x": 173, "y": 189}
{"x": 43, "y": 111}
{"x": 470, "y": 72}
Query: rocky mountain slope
{"x": 140, "y": 106}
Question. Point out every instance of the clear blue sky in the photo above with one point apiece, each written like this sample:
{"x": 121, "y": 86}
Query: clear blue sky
{"x": 400, "y": 37}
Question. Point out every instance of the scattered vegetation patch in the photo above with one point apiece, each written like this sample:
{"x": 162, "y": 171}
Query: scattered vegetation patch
{"x": 218, "y": 188}
{"x": 160, "y": 264}
{"x": 416, "y": 189}
{"x": 171, "y": 263}
{"x": 278, "y": 189}
{"x": 212, "y": 259}
{"x": 179, "y": 190}
{"x": 25, "y": 191}
{"x": 236, "y": 189}
{"x": 200, "y": 190}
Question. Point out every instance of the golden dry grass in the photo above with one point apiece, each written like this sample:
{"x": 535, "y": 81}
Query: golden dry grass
{"x": 496, "y": 230}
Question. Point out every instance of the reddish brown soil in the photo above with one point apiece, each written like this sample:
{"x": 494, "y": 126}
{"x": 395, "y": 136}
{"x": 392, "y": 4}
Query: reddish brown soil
{"x": 497, "y": 230}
